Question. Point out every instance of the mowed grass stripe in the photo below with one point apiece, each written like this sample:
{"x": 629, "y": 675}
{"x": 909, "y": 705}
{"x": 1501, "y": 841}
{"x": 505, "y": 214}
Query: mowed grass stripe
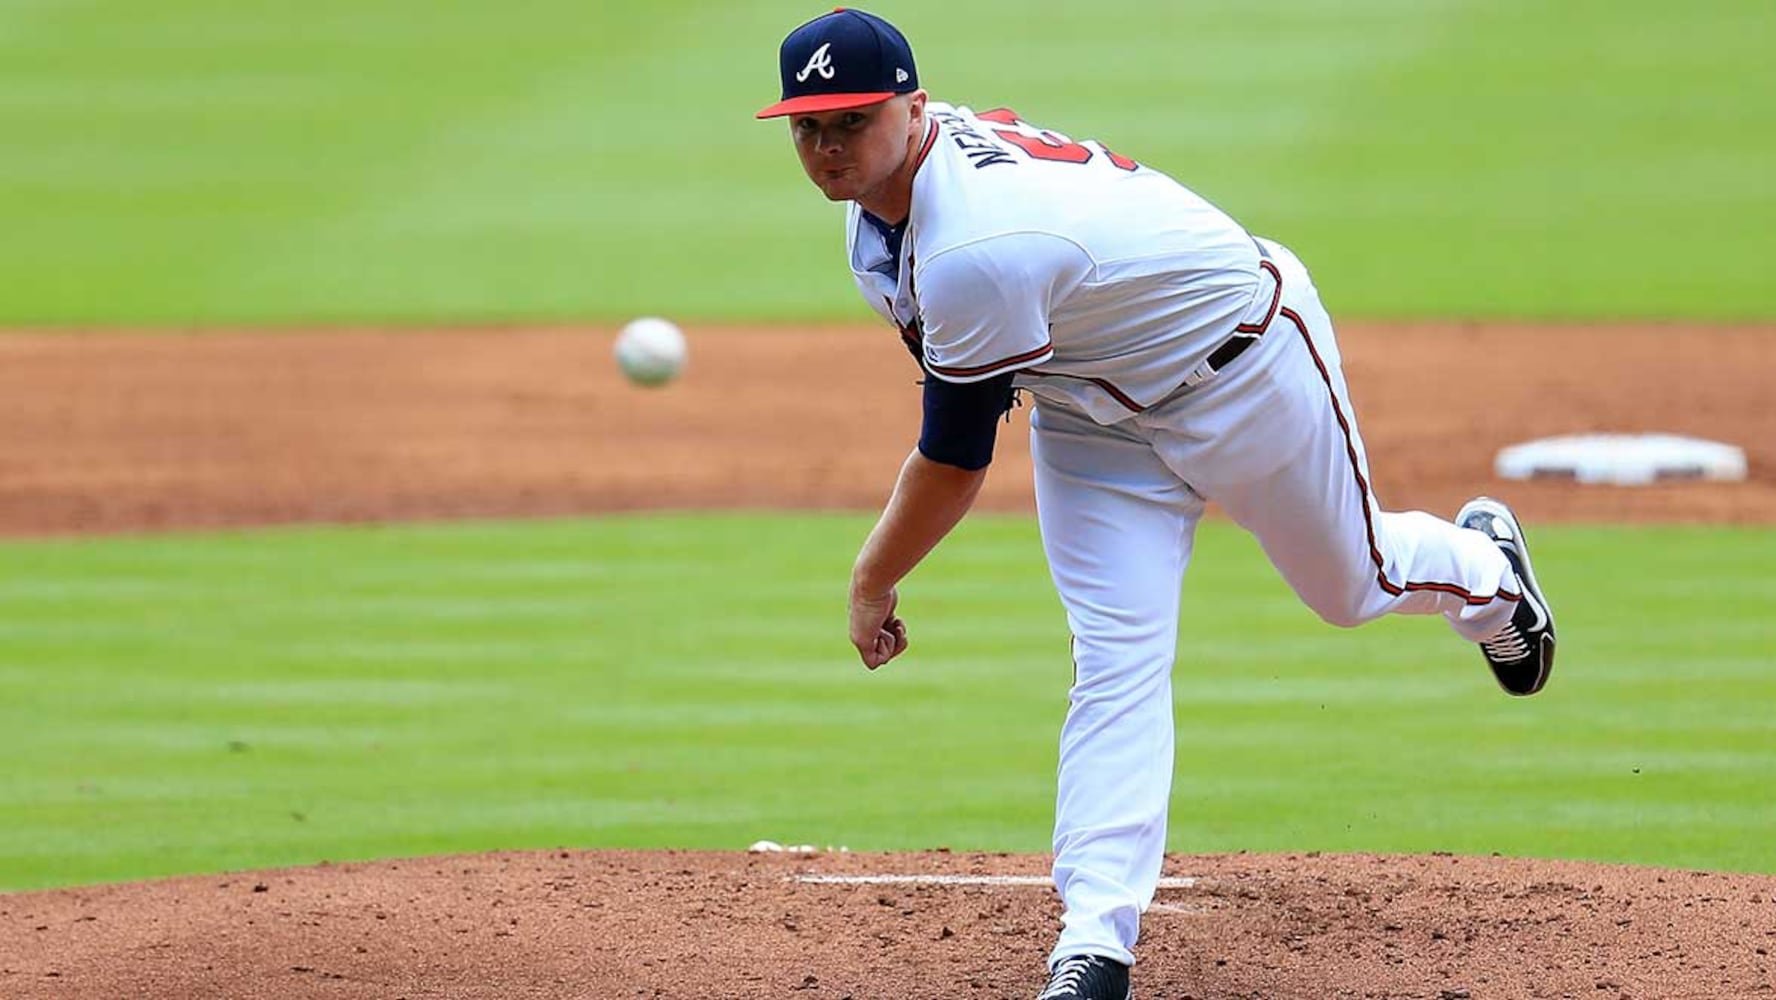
{"x": 197, "y": 703}
{"x": 393, "y": 160}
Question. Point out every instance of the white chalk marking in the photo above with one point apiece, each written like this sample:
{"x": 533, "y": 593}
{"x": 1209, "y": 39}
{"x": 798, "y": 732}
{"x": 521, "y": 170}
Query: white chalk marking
{"x": 1164, "y": 883}
{"x": 1189, "y": 911}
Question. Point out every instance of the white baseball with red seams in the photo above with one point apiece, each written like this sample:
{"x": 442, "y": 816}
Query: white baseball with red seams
{"x": 651, "y": 351}
{"x": 1116, "y": 295}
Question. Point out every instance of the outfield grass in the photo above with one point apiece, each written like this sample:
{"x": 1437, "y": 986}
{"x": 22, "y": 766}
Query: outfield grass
{"x": 182, "y": 704}
{"x": 408, "y": 161}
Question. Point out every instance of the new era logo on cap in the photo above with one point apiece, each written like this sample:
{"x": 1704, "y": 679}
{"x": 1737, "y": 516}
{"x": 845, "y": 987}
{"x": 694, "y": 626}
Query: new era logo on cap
{"x": 845, "y": 59}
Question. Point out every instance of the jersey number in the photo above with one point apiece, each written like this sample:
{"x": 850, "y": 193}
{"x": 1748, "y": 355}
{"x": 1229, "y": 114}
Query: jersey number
{"x": 1046, "y": 145}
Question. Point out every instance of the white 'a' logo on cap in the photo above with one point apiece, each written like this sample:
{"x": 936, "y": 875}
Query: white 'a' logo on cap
{"x": 820, "y": 62}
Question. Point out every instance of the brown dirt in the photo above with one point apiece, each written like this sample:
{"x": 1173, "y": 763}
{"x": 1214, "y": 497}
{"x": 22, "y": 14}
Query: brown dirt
{"x": 124, "y": 432}
{"x": 130, "y": 432}
{"x": 693, "y": 926}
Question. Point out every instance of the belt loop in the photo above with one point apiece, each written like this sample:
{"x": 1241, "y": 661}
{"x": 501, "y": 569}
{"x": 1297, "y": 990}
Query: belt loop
{"x": 1198, "y": 375}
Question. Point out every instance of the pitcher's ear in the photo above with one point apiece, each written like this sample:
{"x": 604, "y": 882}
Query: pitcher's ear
{"x": 916, "y": 109}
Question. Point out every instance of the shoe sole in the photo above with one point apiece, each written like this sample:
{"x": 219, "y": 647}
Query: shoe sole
{"x": 1519, "y": 544}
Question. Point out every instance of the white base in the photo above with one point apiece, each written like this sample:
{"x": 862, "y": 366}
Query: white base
{"x": 1622, "y": 459}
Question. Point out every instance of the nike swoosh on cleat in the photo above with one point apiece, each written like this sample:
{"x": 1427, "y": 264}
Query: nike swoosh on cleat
{"x": 1541, "y": 612}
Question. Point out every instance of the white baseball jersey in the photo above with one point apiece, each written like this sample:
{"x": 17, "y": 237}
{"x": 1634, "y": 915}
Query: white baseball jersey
{"x": 1099, "y": 281}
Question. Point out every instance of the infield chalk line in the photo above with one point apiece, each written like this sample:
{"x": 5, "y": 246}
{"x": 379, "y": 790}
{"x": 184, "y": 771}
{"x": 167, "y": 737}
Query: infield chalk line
{"x": 1184, "y": 882}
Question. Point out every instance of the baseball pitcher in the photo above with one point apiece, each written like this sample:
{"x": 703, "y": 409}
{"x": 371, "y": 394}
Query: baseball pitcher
{"x": 1173, "y": 359}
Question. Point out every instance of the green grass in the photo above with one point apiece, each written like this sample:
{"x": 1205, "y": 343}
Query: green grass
{"x": 183, "y": 704}
{"x": 396, "y": 160}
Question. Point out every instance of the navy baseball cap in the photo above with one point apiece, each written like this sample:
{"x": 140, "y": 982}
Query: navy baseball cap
{"x": 846, "y": 59}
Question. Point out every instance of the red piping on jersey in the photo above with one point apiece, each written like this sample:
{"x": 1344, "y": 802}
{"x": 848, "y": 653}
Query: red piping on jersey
{"x": 1276, "y": 299}
{"x": 907, "y": 333}
{"x": 1115, "y": 393}
{"x": 912, "y": 290}
{"x": 988, "y": 369}
{"x": 1350, "y": 451}
{"x": 925, "y": 147}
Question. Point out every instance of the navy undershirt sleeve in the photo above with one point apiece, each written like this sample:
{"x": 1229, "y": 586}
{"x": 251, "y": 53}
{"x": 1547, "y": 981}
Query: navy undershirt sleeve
{"x": 962, "y": 420}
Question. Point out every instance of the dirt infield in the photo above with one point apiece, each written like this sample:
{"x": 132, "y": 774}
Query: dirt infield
{"x": 133, "y": 432}
{"x": 699, "y": 926}
{"x": 122, "y": 432}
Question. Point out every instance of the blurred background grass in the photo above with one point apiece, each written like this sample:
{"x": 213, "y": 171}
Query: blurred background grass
{"x": 403, "y": 161}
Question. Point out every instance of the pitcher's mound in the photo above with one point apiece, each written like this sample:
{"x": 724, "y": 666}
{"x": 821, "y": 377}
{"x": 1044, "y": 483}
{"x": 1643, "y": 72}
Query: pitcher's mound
{"x": 903, "y": 926}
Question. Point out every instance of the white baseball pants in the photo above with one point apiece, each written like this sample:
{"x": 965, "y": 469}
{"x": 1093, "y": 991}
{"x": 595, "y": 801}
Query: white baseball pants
{"x": 1273, "y": 440}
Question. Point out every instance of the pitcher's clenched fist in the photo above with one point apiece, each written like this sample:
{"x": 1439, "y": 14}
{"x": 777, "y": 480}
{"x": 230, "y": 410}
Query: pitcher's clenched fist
{"x": 878, "y": 635}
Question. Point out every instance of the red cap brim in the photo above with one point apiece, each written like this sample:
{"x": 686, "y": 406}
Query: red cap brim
{"x": 822, "y": 102}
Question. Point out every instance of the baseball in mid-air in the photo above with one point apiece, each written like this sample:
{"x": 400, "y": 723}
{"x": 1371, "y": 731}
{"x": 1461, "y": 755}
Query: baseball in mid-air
{"x": 651, "y": 351}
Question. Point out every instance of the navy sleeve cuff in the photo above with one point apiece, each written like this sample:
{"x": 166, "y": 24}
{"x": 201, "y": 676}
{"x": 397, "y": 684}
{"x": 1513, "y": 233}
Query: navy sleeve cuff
{"x": 962, "y": 420}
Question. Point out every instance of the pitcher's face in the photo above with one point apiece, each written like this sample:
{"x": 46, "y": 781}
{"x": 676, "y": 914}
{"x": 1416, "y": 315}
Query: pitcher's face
{"x": 850, "y": 154}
